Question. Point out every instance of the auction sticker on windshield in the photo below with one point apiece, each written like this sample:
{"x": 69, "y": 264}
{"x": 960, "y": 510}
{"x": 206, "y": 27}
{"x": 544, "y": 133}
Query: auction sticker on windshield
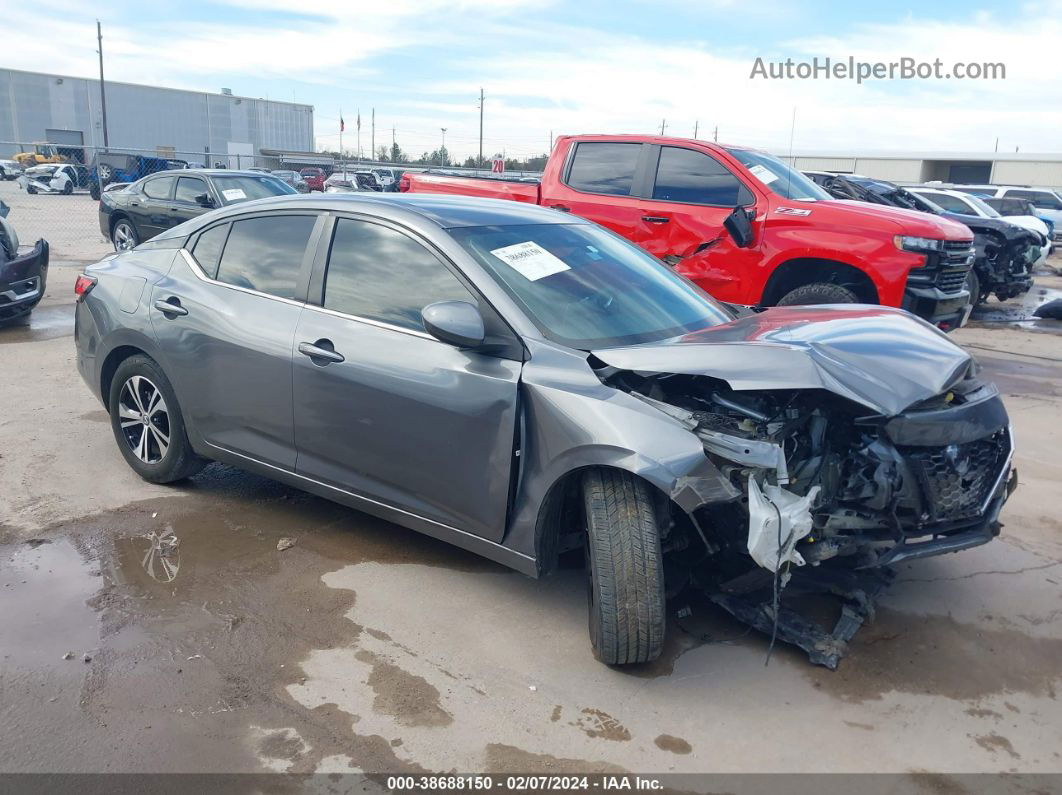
{"x": 232, "y": 194}
{"x": 530, "y": 260}
{"x": 763, "y": 174}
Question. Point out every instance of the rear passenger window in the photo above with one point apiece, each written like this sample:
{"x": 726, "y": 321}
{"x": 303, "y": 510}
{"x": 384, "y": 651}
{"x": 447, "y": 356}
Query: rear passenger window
{"x": 604, "y": 168}
{"x": 380, "y": 274}
{"x": 265, "y": 254}
{"x": 684, "y": 175}
{"x": 159, "y": 188}
{"x": 208, "y": 247}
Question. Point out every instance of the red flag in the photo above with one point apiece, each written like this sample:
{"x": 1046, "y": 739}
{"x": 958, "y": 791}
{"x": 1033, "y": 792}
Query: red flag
{"x": 342, "y": 125}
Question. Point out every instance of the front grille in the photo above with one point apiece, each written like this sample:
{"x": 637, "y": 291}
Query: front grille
{"x": 954, "y": 263}
{"x": 957, "y": 480}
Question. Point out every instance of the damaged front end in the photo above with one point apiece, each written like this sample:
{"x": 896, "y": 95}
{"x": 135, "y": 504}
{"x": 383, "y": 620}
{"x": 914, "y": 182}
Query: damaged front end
{"x": 820, "y": 494}
{"x": 1004, "y": 255}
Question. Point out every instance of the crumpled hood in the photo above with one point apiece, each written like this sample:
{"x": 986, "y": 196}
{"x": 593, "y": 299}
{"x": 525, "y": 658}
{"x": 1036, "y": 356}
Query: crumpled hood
{"x": 883, "y": 358}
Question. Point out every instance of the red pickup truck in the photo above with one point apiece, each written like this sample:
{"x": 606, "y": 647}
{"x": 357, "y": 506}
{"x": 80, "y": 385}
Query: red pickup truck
{"x": 743, "y": 225}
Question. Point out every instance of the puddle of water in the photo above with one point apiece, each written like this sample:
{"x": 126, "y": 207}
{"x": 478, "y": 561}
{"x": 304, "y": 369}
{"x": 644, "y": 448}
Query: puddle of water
{"x": 1021, "y": 315}
{"x": 43, "y": 323}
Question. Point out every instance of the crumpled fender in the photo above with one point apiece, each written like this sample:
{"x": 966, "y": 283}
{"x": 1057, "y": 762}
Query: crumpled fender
{"x": 573, "y": 422}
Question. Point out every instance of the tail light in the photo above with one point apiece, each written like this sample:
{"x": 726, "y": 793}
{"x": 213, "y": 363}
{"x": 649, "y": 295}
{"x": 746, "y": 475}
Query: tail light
{"x": 403, "y": 184}
{"x": 83, "y": 285}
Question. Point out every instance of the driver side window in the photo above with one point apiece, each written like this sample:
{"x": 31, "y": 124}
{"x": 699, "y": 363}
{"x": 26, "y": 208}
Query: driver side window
{"x": 378, "y": 273}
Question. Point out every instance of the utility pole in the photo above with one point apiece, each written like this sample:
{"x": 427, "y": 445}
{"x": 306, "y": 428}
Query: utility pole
{"x": 715, "y": 133}
{"x": 479, "y": 163}
{"x": 696, "y": 124}
{"x": 663, "y": 125}
{"x": 372, "y": 139}
{"x": 103, "y": 92}
{"x": 442, "y": 149}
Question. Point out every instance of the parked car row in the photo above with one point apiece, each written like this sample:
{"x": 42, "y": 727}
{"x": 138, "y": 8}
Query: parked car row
{"x": 743, "y": 225}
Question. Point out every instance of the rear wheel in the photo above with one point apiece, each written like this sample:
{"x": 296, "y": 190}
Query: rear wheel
{"x": 819, "y": 293}
{"x": 147, "y": 423}
{"x": 124, "y": 235}
{"x": 68, "y": 188}
{"x": 30, "y": 189}
{"x": 625, "y": 577}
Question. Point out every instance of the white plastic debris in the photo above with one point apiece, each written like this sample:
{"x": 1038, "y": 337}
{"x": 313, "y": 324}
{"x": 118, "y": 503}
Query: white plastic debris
{"x": 777, "y": 520}
{"x": 285, "y": 543}
{"x": 532, "y": 688}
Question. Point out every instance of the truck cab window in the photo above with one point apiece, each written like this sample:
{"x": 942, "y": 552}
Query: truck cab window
{"x": 684, "y": 175}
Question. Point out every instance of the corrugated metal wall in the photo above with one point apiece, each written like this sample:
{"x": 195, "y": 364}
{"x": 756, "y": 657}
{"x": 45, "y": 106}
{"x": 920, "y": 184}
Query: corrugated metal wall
{"x": 146, "y": 117}
{"x": 1039, "y": 173}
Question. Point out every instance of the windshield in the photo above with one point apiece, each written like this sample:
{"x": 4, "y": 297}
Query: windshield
{"x": 977, "y": 202}
{"x": 780, "y": 178}
{"x": 587, "y": 288}
{"x": 245, "y": 187}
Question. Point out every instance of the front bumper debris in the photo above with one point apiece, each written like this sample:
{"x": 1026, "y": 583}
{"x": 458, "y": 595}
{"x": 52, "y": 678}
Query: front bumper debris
{"x": 23, "y": 281}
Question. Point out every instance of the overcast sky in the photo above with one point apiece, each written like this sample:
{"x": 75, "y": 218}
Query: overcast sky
{"x": 591, "y": 66}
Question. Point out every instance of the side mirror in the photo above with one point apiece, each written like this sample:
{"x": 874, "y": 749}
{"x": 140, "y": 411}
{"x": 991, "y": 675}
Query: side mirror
{"x": 204, "y": 200}
{"x": 456, "y": 323}
{"x": 739, "y": 225}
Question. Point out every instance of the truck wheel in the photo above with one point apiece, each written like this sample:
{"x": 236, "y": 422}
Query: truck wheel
{"x": 819, "y": 293}
{"x": 973, "y": 286}
{"x": 625, "y": 577}
{"x": 147, "y": 423}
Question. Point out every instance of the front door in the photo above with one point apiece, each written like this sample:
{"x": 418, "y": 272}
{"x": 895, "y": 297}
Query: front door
{"x": 388, "y": 412}
{"x": 184, "y": 206}
{"x": 151, "y": 210}
{"x": 225, "y": 318}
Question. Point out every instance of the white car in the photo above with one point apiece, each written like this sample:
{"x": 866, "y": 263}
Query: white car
{"x": 62, "y": 178}
{"x": 1047, "y": 202}
{"x": 10, "y": 169}
{"x": 956, "y": 201}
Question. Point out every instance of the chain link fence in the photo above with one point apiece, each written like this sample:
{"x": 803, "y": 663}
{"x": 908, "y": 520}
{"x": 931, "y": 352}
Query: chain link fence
{"x": 53, "y": 190}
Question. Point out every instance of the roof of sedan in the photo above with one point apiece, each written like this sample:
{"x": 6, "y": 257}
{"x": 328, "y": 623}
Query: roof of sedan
{"x": 444, "y": 210}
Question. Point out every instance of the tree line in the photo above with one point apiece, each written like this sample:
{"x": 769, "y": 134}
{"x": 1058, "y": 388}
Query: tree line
{"x": 441, "y": 157}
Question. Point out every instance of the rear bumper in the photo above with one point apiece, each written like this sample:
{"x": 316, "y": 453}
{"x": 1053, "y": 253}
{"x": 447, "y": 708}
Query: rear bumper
{"x": 23, "y": 281}
{"x": 947, "y": 311}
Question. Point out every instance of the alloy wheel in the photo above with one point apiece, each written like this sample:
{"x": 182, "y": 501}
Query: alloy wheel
{"x": 144, "y": 419}
{"x": 123, "y": 236}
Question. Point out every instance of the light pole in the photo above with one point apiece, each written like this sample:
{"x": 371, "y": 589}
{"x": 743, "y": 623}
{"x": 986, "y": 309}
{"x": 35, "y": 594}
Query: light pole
{"x": 103, "y": 92}
{"x": 442, "y": 150}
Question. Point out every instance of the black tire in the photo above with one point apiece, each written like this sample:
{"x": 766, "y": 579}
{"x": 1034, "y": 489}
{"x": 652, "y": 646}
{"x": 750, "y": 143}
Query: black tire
{"x": 68, "y": 188}
{"x": 819, "y": 293}
{"x": 973, "y": 285}
{"x": 626, "y": 576}
{"x": 131, "y": 233}
{"x": 31, "y": 190}
{"x": 156, "y": 463}
{"x": 94, "y": 190}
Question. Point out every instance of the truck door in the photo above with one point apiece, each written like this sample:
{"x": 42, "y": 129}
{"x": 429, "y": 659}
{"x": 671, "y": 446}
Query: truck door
{"x": 690, "y": 195}
{"x": 601, "y": 182}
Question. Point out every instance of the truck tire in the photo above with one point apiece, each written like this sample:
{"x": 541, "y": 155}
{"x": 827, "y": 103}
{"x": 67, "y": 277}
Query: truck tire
{"x": 973, "y": 285}
{"x": 625, "y": 577}
{"x": 819, "y": 293}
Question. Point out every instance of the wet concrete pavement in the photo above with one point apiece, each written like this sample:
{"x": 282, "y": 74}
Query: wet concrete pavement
{"x": 156, "y": 629}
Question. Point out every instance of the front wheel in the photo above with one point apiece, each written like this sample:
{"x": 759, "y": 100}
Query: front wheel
{"x": 148, "y": 424}
{"x": 973, "y": 286}
{"x": 31, "y": 190}
{"x": 819, "y": 293}
{"x": 625, "y": 577}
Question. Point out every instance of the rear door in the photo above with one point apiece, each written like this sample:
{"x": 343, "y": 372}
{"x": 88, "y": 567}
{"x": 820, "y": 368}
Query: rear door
{"x": 389, "y": 413}
{"x": 602, "y": 181}
{"x": 225, "y": 318}
{"x": 151, "y": 209}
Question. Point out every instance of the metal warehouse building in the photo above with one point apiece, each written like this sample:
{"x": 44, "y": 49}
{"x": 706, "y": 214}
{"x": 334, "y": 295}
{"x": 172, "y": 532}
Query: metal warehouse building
{"x": 998, "y": 168}
{"x": 189, "y": 125}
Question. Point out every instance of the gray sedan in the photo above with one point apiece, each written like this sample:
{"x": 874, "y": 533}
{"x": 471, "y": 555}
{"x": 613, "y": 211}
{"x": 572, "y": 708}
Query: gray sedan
{"x": 533, "y": 388}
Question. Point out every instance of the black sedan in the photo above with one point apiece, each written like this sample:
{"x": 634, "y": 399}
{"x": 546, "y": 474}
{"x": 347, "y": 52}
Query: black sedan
{"x": 131, "y": 215}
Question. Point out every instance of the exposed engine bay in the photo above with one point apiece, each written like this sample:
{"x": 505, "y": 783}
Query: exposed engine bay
{"x": 820, "y": 493}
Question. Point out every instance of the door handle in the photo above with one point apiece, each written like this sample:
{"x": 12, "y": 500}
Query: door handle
{"x": 656, "y": 219}
{"x": 322, "y": 350}
{"x": 171, "y": 306}
{"x": 560, "y": 207}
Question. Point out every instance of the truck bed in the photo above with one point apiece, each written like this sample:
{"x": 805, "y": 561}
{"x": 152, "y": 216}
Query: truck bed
{"x": 520, "y": 189}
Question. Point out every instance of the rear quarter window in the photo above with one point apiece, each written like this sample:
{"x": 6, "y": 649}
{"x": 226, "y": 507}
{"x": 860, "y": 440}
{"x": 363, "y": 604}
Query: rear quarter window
{"x": 604, "y": 168}
{"x": 265, "y": 254}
